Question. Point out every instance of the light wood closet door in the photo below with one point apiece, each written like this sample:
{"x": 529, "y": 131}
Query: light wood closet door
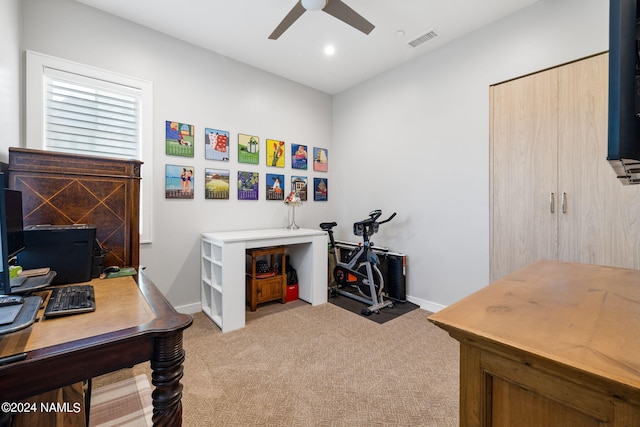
{"x": 524, "y": 166}
{"x": 602, "y": 220}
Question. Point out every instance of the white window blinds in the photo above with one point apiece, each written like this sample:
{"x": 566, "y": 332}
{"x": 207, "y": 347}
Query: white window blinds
{"x": 89, "y": 116}
{"x": 77, "y": 108}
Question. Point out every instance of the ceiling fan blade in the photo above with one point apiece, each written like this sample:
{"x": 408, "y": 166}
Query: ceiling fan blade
{"x": 288, "y": 20}
{"x": 338, "y": 9}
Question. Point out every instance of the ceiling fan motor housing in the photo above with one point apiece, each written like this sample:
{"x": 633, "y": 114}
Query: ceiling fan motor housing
{"x": 314, "y": 4}
{"x": 336, "y": 8}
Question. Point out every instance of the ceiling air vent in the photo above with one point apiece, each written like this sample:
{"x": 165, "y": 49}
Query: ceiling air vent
{"x": 424, "y": 38}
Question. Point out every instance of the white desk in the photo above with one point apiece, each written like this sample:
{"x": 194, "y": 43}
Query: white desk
{"x": 224, "y": 264}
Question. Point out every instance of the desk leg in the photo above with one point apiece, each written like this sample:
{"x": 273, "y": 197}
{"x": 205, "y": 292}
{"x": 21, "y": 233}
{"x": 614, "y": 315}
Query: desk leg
{"x": 166, "y": 364}
{"x": 310, "y": 260}
{"x": 234, "y": 298}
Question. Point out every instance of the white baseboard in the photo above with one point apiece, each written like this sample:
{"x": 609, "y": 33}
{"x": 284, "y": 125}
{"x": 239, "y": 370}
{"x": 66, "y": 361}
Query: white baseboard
{"x": 426, "y": 305}
{"x": 193, "y": 308}
{"x": 432, "y": 307}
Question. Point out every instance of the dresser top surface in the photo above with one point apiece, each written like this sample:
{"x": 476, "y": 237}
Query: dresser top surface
{"x": 584, "y": 316}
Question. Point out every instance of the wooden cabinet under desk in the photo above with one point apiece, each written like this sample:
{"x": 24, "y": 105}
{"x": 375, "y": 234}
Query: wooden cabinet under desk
{"x": 554, "y": 344}
{"x": 266, "y": 286}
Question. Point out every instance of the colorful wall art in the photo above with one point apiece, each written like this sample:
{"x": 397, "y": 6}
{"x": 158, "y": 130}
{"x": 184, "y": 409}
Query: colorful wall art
{"x": 179, "y": 139}
{"x": 275, "y": 153}
{"x": 320, "y": 189}
{"x": 299, "y": 185}
{"x": 320, "y": 159}
{"x": 248, "y": 185}
{"x": 248, "y": 149}
{"x": 299, "y": 156}
{"x": 216, "y": 184}
{"x": 179, "y": 182}
{"x": 275, "y": 187}
{"x": 216, "y": 144}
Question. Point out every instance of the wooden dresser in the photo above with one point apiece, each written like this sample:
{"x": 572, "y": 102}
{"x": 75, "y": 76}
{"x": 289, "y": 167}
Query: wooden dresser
{"x": 554, "y": 344}
{"x": 63, "y": 189}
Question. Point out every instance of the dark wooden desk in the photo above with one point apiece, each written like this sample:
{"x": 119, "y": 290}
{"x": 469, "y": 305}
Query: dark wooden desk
{"x": 133, "y": 323}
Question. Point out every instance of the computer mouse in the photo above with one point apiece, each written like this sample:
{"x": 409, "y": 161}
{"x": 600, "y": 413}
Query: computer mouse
{"x": 112, "y": 269}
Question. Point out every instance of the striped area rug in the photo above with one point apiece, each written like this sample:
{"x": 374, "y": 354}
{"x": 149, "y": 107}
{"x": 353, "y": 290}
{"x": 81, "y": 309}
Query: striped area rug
{"x": 124, "y": 403}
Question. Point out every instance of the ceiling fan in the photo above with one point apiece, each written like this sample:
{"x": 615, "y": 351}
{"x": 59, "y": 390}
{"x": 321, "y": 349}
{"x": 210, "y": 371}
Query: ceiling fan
{"x": 335, "y": 8}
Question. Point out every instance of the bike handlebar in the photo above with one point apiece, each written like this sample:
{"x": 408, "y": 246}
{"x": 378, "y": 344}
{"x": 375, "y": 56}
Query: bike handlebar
{"x": 373, "y": 218}
{"x": 388, "y": 219}
{"x": 370, "y": 226}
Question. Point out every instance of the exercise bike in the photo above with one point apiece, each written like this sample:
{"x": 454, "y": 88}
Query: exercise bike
{"x": 366, "y": 276}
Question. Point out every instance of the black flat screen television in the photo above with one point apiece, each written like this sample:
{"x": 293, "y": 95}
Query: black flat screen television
{"x": 624, "y": 90}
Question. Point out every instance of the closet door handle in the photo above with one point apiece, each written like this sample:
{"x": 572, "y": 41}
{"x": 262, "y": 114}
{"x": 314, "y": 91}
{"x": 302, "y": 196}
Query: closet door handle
{"x": 564, "y": 202}
{"x": 552, "y": 202}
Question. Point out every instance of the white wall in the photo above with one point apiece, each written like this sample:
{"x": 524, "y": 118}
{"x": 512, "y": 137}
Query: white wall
{"x": 412, "y": 140}
{"x": 9, "y": 79}
{"x": 198, "y": 87}
{"x": 10, "y": 20}
{"x": 422, "y": 130}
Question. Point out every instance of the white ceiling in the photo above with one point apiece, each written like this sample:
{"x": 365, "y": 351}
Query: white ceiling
{"x": 240, "y": 29}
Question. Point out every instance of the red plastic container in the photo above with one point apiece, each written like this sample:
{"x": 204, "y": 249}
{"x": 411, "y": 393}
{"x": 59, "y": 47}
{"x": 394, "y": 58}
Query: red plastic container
{"x": 292, "y": 292}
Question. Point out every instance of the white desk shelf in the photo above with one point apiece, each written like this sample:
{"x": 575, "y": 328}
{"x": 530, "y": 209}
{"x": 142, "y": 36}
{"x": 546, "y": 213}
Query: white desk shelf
{"x": 212, "y": 281}
{"x": 224, "y": 263}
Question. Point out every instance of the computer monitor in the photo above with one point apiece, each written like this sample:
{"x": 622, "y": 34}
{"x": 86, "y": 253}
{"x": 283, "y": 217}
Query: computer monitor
{"x": 15, "y": 224}
{"x": 11, "y": 233}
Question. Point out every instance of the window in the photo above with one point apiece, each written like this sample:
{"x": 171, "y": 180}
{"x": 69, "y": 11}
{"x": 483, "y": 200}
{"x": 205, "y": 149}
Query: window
{"x": 86, "y": 118}
{"x": 79, "y": 109}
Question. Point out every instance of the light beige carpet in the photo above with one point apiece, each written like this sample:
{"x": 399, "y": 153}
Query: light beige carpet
{"x": 298, "y": 365}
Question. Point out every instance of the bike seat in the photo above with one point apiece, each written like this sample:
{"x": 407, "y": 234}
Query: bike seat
{"x": 328, "y": 225}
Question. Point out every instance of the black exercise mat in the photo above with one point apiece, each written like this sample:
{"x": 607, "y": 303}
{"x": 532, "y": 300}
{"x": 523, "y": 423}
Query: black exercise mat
{"x": 386, "y": 314}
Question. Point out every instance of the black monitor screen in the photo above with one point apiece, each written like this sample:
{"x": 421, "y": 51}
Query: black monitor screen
{"x": 13, "y": 210}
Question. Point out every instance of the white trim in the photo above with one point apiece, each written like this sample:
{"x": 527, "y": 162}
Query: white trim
{"x": 36, "y": 63}
{"x": 426, "y": 305}
{"x": 190, "y": 308}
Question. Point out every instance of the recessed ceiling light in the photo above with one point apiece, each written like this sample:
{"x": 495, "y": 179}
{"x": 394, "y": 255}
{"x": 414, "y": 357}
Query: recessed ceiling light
{"x": 329, "y": 50}
{"x": 400, "y": 33}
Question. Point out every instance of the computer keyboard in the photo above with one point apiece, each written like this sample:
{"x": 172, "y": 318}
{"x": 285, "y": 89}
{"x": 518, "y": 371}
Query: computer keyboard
{"x": 72, "y": 299}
